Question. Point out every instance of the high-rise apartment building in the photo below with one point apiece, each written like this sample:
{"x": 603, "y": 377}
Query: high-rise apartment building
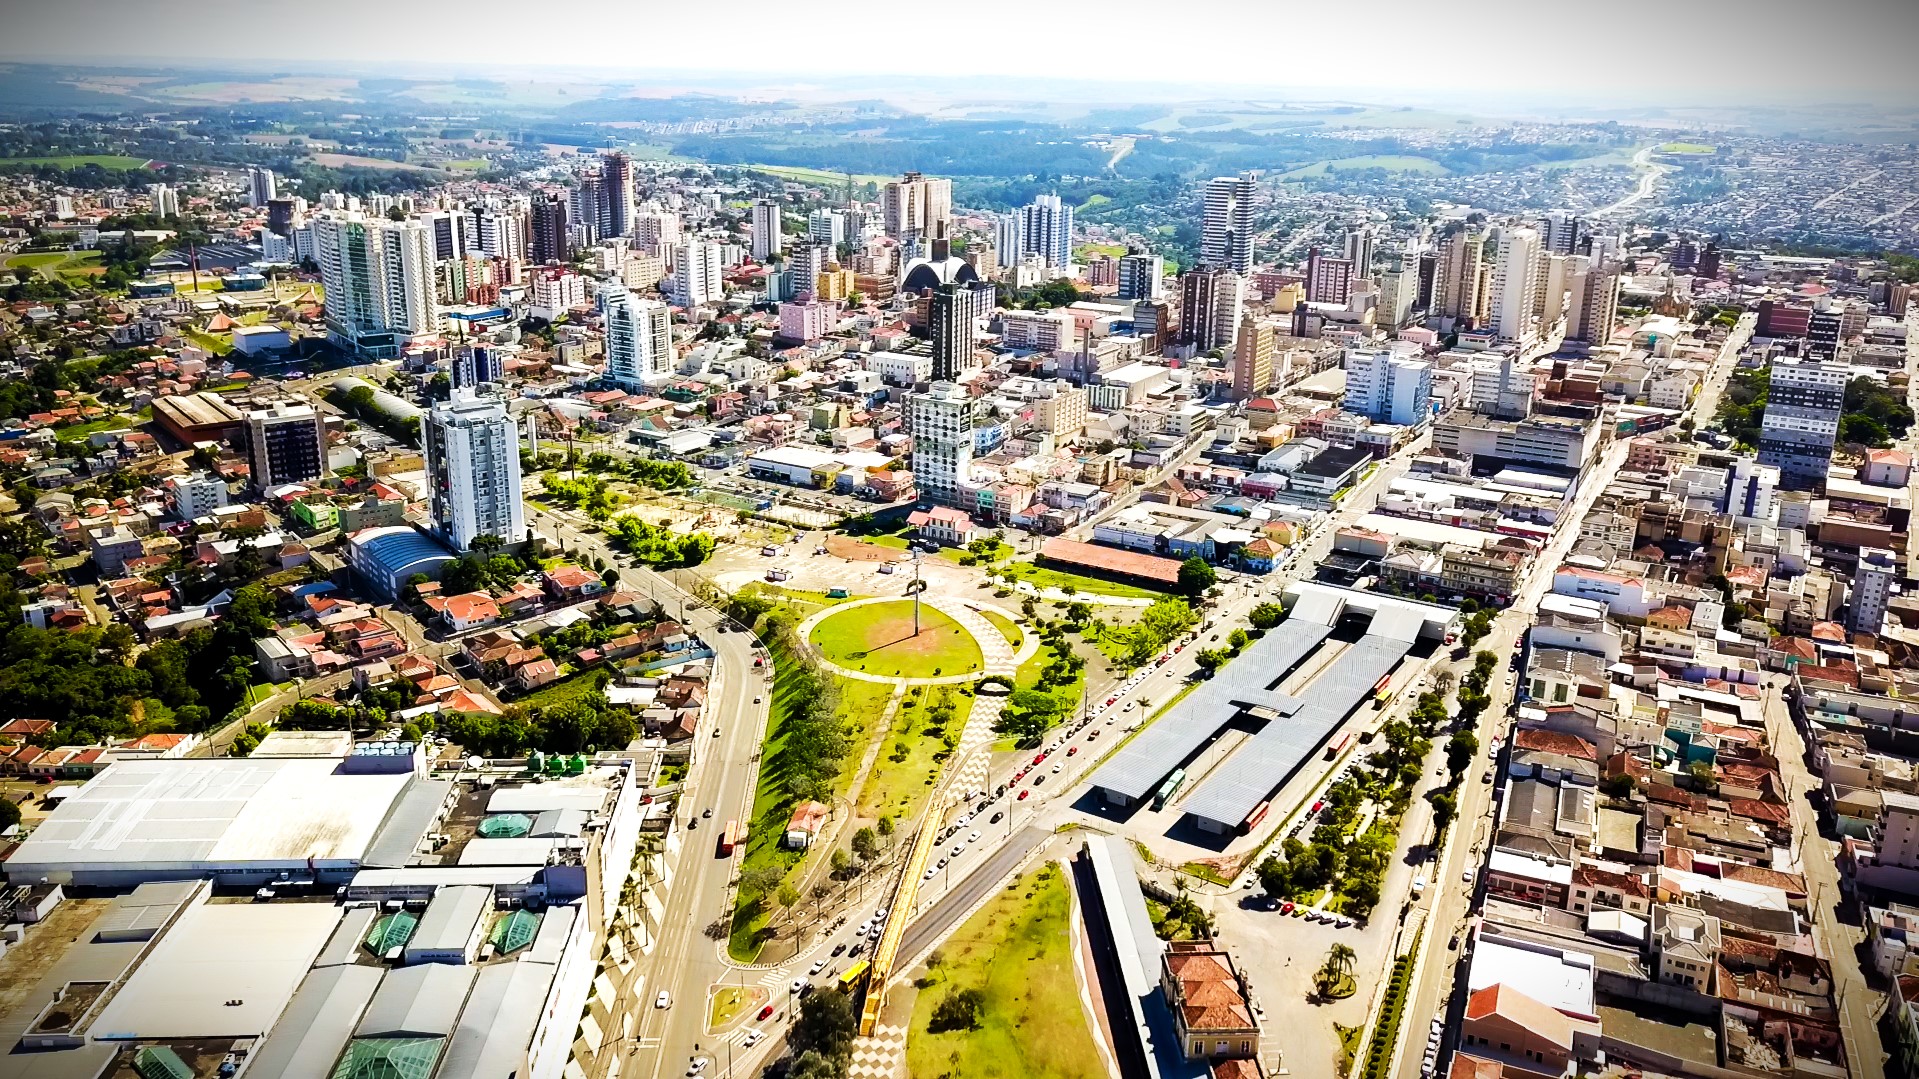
{"x": 1226, "y": 238}
{"x": 1872, "y": 580}
{"x": 1801, "y": 423}
{"x": 1361, "y": 242}
{"x": 1398, "y": 291}
{"x": 767, "y": 241}
{"x": 1141, "y": 276}
{"x": 550, "y": 229}
{"x": 1046, "y": 230}
{"x": 474, "y": 365}
{"x": 587, "y": 207}
{"x": 381, "y": 288}
{"x": 1558, "y": 232}
{"x": 166, "y": 200}
{"x": 696, "y": 274}
{"x": 281, "y": 217}
{"x": 1457, "y": 288}
{"x": 472, "y": 451}
{"x": 616, "y": 191}
{"x": 917, "y": 208}
{"x": 1592, "y": 304}
{"x": 1556, "y": 274}
{"x": 1501, "y": 387}
{"x": 286, "y": 443}
{"x": 261, "y": 188}
{"x": 941, "y": 423}
{"x": 949, "y": 321}
{"x": 501, "y": 234}
{"x": 1009, "y": 238}
{"x": 639, "y": 337}
{"x": 1388, "y": 387}
{"x": 1253, "y": 358}
{"x": 1328, "y": 280}
{"x": 824, "y": 226}
{"x": 1515, "y": 284}
{"x": 808, "y": 262}
{"x": 1210, "y": 302}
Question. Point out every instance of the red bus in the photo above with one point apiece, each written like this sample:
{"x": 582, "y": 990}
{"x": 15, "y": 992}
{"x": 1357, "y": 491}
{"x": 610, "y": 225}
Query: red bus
{"x": 731, "y": 836}
{"x": 1252, "y": 819}
{"x": 1333, "y": 751}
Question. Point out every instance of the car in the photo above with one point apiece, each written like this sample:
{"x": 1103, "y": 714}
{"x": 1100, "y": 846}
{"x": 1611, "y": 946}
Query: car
{"x": 1130, "y": 705}
{"x": 934, "y": 872}
{"x": 756, "y": 700}
{"x": 1341, "y": 923}
{"x": 1038, "y": 779}
{"x": 1023, "y": 794}
{"x": 663, "y": 1000}
{"x": 752, "y": 1039}
{"x": 1109, "y": 702}
{"x": 698, "y": 1066}
{"x": 1090, "y": 735}
{"x": 879, "y": 916}
{"x": 955, "y": 852}
{"x": 877, "y": 931}
{"x": 858, "y": 947}
{"x": 798, "y": 986}
{"x": 692, "y": 823}
{"x": 1466, "y": 875}
{"x": 766, "y": 1012}
{"x": 1453, "y": 944}
{"x": 973, "y": 837}
{"x": 1072, "y": 751}
{"x": 838, "y": 950}
{"x": 1039, "y": 759}
{"x": 818, "y": 965}
{"x": 941, "y": 864}
{"x": 863, "y": 927}
{"x": 996, "y": 818}
{"x": 707, "y": 812}
{"x": 1286, "y": 908}
{"x": 1317, "y": 806}
{"x": 716, "y": 732}
{"x": 1488, "y": 777}
{"x": 1419, "y": 884}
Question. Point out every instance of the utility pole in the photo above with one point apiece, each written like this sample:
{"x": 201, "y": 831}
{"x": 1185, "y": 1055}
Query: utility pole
{"x": 916, "y": 593}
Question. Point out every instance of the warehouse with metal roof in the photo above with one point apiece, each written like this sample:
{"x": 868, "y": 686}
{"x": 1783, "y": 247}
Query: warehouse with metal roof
{"x": 1294, "y": 727}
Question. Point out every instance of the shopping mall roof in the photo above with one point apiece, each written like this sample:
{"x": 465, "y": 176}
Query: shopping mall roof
{"x": 417, "y": 1002}
{"x": 184, "y": 817}
{"x": 498, "y": 1021}
{"x": 317, "y": 1023}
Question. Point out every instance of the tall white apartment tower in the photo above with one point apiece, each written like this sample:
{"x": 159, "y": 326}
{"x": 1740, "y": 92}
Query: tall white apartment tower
{"x": 1872, "y": 582}
{"x": 1515, "y": 284}
{"x": 1592, "y": 304}
{"x": 166, "y": 200}
{"x": 766, "y": 230}
{"x": 1361, "y": 242}
{"x": 917, "y": 208}
{"x": 1009, "y": 239}
{"x": 1226, "y": 239}
{"x": 260, "y": 186}
{"x": 639, "y": 337}
{"x": 472, "y": 452}
{"x": 696, "y": 274}
{"x": 941, "y": 422}
{"x": 1046, "y": 228}
{"x": 1141, "y": 276}
{"x": 824, "y": 226}
{"x": 1558, "y": 232}
{"x": 380, "y": 283}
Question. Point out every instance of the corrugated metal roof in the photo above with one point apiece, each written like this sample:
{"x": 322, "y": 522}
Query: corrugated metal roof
{"x": 1139, "y": 767}
{"x": 143, "y": 912}
{"x": 1248, "y": 777}
{"x": 413, "y": 815}
{"x": 555, "y": 927}
{"x": 417, "y": 1002}
{"x": 344, "y": 945}
{"x": 316, "y": 1024}
{"x": 451, "y": 917}
{"x": 495, "y": 1029}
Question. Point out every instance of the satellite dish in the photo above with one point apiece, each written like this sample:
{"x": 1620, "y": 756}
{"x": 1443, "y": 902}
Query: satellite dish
{"x": 475, "y": 763}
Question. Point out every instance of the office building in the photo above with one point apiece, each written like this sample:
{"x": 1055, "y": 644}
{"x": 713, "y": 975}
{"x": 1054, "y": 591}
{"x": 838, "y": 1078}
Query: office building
{"x": 1460, "y": 281}
{"x": 286, "y": 443}
{"x": 1592, "y": 304}
{"x": 940, "y": 420}
{"x": 550, "y": 229}
{"x": 949, "y": 321}
{"x": 1046, "y": 230}
{"x": 1515, "y": 284}
{"x": 639, "y": 337}
{"x": 1801, "y": 422}
{"x": 472, "y": 452}
{"x": 381, "y": 288}
{"x": 1328, "y": 280}
{"x": 1226, "y": 237}
{"x": 696, "y": 274}
{"x": 767, "y": 241}
{"x": 1253, "y": 358}
{"x": 1822, "y": 334}
{"x": 1037, "y": 331}
{"x": 281, "y": 218}
{"x": 260, "y": 186}
{"x": 1565, "y": 444}
{"x": 1141, "y": 276}
{"x": 616, "y": 194}
{"x": 1388, "y": 387}
{"x": 1428, "y": 273}
{"x": 917, "y": 208}
{"x": 1872, "y": 580}
{"x": 1210, "y": 302}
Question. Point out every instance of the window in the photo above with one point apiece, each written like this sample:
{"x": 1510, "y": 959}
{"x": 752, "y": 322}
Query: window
{"x": 1245, "y": 1046}
{"x": 1199, "y": 1049}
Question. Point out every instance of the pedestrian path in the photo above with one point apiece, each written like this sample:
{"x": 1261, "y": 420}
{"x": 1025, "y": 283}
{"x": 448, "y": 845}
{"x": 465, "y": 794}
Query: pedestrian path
{"x": 879, "y": 1056}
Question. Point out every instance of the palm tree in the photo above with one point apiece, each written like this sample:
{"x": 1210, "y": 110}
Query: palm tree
{"x": 1339, "y": 963}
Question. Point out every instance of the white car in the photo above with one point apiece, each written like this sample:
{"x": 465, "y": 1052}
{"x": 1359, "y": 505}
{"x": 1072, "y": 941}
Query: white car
{"x": 698, "y": 1066}
{"x": 818, "y": 965}
{"x": 663, "y": 1000}
{"x": 955, "y": 852}
{"x": 930, "y": 874}
{"x": 973, "y": 838}
{"x": 798, "y": 984}
{"x": 880, "y": 914}
{"x": 1129, "y": 706}
{"x": 864, "y": 926}
{"x": 752, "y": 1039}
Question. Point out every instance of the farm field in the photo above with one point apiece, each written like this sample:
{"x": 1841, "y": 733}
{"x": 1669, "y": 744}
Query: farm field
{"x": 1389, "y": 162}
{"x": 74, "y": 161}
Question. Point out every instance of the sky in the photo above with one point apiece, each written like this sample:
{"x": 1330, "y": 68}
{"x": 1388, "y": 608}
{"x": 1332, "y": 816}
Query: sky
{"x": 1624, "y": 52}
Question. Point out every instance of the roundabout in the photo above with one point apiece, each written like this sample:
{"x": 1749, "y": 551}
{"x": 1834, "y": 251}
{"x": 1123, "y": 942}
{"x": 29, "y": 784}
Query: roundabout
{"x": 879, "y": 639}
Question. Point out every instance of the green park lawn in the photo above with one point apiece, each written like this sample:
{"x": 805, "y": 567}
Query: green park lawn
{"x": 878, "y": 638}
{"x": 79, "y": 432}
{"x": 52, "y": 264}
{"x": 819, "y": 176}
{"x": 898, "y": 788}
{"x": 74, "y": 161}
{"x": 1389, "y": 162}
{"x": 1017, "y": 952}
{"x": 1044, "y": 578}
{"x": 1006, "y": 626}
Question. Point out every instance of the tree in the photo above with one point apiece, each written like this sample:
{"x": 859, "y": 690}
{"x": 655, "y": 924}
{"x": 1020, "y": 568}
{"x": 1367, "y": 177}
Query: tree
{"x": 487, "y": 543}
{"x": 826, "y": 1026}
{"x": 1460, "y": 750}
{"x": 1266, "y": 615}
{"x": 1210, "y": 659}
{"x": 9, "y": 813}
{"x": 1338, "y": 964}
{"x": 761, "y": 878}
{"x": 839, "y": 861}
{"x": 886, "y": 827}
{"x": 958, "y": 1010}
{"x": 811, "y": 1065}
{"x": 1195, "y": 576}
{"x": 1236, "y": 640}
{"x": 865, "y": 845}
{"x": 788, "y": 896}
{"x": 1445, "y": 807}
